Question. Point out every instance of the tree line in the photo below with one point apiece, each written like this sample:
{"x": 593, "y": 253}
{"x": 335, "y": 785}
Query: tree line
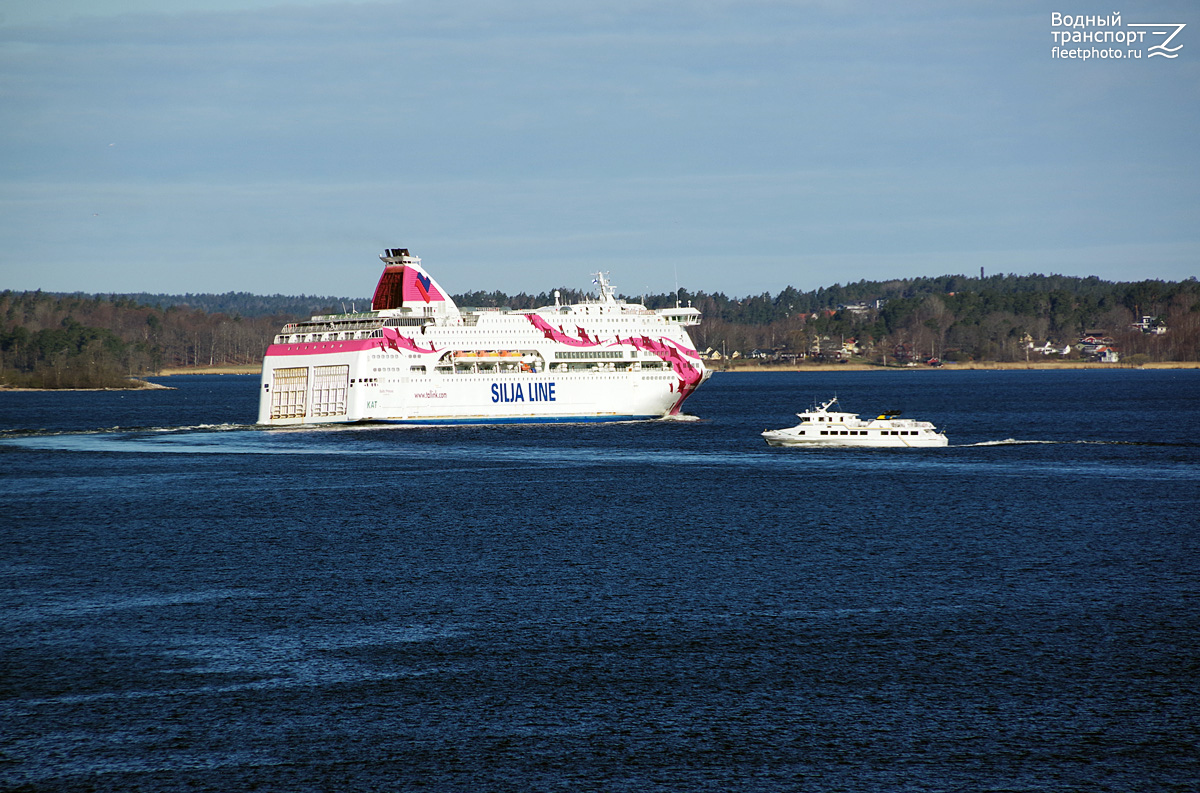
{"x": 100, "y": 341}
{"x": 79, "y": 341}
{"x": 952, "y": 316}
{"x": 960, "y": 318}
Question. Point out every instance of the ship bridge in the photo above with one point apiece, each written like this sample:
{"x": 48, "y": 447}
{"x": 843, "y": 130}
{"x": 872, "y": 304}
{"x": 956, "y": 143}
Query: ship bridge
{"x": 684, "y": 315}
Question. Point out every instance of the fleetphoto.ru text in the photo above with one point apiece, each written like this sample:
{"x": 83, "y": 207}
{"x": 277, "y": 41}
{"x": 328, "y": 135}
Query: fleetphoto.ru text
{"x": 1088, "y": 36}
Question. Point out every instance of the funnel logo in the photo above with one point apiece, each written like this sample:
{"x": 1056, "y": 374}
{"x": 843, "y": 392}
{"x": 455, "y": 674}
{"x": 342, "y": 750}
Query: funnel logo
{"x": 420, "y": 288}
{"x": 424, "y": 284}
{"x": 1169, "y": 29}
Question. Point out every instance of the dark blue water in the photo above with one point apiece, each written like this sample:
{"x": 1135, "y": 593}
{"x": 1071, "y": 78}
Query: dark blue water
{"x": 193, "y": 603}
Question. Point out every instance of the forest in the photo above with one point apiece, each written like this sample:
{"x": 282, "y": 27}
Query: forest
{"x": 961, "y": 319}
{"x": 101, "y": 341}
{"x": 93, "y": 341}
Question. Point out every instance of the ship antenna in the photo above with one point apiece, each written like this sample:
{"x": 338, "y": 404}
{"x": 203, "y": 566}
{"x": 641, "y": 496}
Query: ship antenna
{"x": 604, "y": 287}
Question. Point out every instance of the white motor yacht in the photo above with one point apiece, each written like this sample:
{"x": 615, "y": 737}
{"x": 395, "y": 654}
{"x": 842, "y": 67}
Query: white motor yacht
{"x": 821, "y": 426}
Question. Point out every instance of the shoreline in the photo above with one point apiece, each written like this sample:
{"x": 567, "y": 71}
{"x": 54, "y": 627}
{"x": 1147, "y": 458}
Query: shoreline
{"x": 994, "y": 366}
{"x": 984, "y": 366}
{"x": 825, "y": 367}
{"x": 137, "y": 384}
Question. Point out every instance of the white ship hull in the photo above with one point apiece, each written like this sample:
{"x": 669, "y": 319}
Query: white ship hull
{"x": 872, "y": 440}
{"x": 429, "y": 363}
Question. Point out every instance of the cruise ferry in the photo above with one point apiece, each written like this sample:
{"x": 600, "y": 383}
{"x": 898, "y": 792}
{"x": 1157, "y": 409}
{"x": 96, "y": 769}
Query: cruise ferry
{"x": 417, "y": 358}
{"x": 820, "y": 426}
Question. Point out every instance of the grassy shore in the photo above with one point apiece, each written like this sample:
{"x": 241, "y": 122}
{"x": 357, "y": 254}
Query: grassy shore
{"x": 254, "y": 368}
{"x": 137, "y": 383}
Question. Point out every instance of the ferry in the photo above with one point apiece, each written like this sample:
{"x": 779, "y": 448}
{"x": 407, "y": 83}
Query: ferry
{"x": 821, "y": 426}
{"x": 417, "y": 358}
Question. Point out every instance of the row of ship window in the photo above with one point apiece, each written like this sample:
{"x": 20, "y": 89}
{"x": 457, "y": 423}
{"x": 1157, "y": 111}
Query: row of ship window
{"x": 864, "y": 432}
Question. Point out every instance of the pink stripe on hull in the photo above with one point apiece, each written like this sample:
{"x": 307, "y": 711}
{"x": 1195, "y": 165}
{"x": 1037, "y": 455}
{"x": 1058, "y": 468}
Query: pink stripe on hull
{"x": 667, "y": 351}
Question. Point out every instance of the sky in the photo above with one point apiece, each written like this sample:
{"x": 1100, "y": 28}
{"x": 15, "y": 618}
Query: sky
{"x": 276, "y": 147}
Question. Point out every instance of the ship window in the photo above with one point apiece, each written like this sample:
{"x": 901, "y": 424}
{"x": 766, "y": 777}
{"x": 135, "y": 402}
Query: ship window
{"x": 590, "y": 355}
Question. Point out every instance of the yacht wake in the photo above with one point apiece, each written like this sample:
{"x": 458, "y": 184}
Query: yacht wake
{"x": 1010, "y": 442}
{"x": 1029, "y": 442}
